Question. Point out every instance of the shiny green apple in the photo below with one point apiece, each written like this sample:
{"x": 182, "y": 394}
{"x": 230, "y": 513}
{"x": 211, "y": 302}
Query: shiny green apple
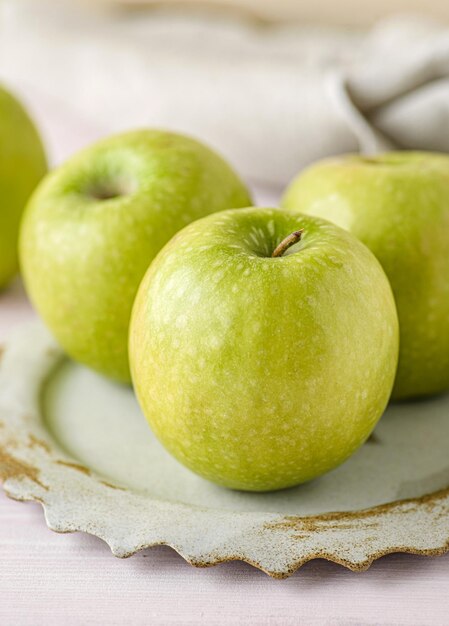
{"x": 94, "y": 225}
{"x": 22, "y": 165}
{"x": 261, "y": 372}
{"x": 398, "y": 205}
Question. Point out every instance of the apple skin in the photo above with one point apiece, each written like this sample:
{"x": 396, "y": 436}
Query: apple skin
{"x": 95, "y": 224}
{"x": 398, "y": 205}
{"x": 260, "y": 373}
{"x": 22, "y": 165}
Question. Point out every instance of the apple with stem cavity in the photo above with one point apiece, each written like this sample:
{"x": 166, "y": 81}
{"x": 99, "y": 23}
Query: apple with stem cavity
{"x": 398, "y": 205}
{"x": 263, "y": 347}
{"x": 22, "y": 165}
{"x": 95, "y": 224}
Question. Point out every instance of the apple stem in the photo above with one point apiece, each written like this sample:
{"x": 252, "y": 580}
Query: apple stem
{"x": 286, "y": 243}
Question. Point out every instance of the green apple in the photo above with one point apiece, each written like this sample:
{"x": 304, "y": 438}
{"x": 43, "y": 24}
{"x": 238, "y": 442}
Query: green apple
{"x": 398, "y": 205}
{"x": 22, "y": 165}
{"x": 257, "y": 371}
{"x": 94, "y": 225}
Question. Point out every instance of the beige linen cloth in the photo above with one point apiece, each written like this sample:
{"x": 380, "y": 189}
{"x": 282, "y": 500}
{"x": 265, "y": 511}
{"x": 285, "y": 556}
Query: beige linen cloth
{"x": 271, "y": 99}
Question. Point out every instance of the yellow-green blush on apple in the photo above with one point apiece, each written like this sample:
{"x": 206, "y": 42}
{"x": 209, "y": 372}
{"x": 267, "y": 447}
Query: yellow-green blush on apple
{"x": 22, "y": 165}
{"x": 263, "y": 347}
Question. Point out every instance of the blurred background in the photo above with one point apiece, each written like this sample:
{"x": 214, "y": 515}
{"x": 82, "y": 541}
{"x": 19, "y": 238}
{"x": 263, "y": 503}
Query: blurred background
{"x": 273, "y": 84}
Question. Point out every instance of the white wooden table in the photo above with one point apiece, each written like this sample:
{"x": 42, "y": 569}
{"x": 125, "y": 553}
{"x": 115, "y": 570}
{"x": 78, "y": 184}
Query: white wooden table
{"x": 57, "y": 580}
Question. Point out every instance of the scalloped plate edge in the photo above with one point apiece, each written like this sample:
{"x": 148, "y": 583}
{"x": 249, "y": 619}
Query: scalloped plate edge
{"x": 33, "y": 467}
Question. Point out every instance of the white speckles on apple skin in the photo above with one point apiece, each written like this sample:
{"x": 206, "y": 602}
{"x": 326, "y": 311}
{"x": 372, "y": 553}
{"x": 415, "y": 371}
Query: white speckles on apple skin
{"x": 399, "y": 208}
{"x": 274, "y": 382}
{"x": 83, "y": 257}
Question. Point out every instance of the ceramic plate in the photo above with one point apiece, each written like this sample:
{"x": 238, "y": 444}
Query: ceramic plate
{"x": 79, "y": 444}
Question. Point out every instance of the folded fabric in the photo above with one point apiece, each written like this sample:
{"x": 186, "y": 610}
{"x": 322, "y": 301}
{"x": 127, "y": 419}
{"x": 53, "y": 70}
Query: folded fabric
{"x": 271, "y": 99}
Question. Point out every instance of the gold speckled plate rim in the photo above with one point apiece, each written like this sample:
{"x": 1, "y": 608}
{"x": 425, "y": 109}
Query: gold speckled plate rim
{"x": 34, "y": 468}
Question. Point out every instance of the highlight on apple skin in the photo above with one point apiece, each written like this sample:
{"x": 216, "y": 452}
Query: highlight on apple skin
{"x": 398, "y": 205}
{"x": 22, "y": 165}
{"x": 261, "y": 372}
{"x": 95, "y": 223}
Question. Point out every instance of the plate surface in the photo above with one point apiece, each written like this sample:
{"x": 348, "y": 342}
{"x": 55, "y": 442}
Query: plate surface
{"x": 79, "y": 444}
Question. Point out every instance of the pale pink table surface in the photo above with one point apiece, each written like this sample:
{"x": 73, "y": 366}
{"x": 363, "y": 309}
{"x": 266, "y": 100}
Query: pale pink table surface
{"x": 73, "y": 579}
